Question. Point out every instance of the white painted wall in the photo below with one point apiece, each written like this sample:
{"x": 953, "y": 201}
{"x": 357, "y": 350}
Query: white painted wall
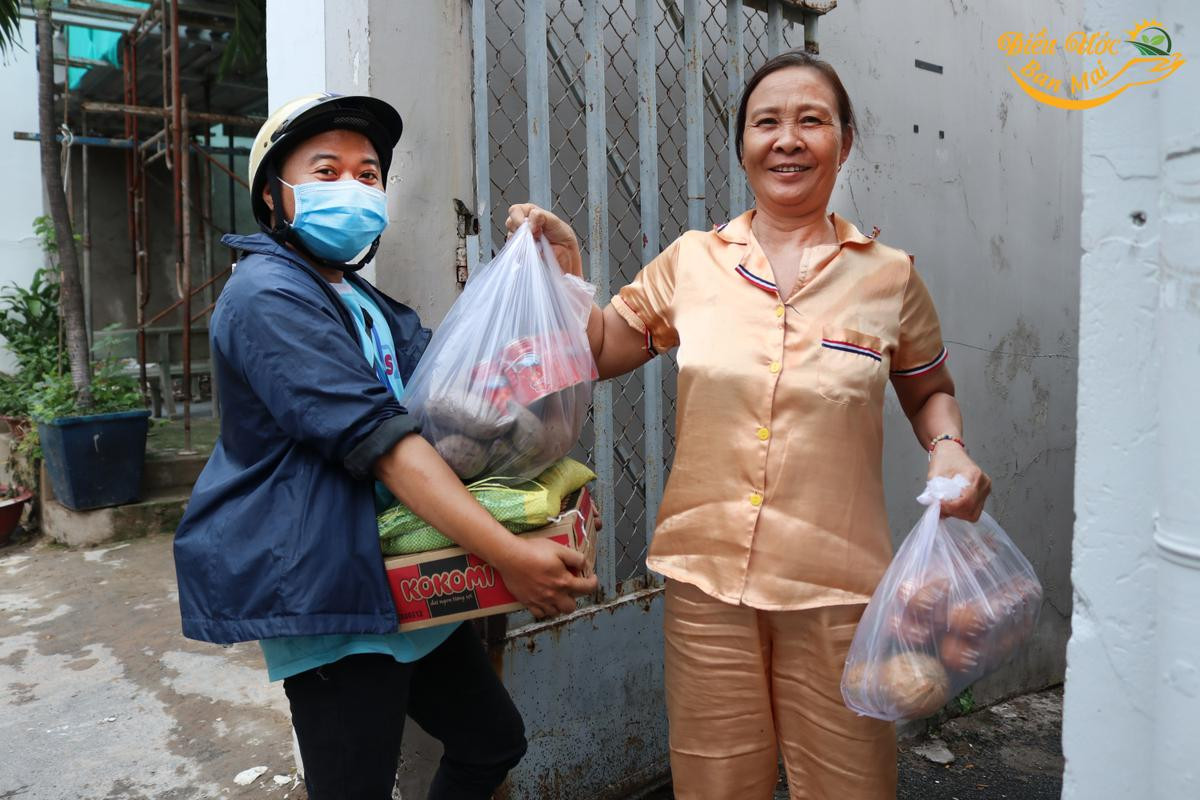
{"x": 421, "y": 64}
{"x": 21, "y": 199}
{"x": 1132, "y": 707}
{"x": 397, "y": 52}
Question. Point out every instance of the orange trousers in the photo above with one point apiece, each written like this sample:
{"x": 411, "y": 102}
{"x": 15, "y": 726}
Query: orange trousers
{"x": 745, "y": 685}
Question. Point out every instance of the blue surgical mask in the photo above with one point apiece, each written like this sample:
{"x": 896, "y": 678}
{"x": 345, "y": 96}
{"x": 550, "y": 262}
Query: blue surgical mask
{"x": 337, "y": 220}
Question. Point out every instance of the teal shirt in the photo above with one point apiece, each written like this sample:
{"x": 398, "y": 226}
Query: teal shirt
{"x": 291, "y": 655}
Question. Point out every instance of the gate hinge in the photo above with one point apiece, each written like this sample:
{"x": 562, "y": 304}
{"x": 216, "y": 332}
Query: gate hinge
{"x": 467, "y": 227}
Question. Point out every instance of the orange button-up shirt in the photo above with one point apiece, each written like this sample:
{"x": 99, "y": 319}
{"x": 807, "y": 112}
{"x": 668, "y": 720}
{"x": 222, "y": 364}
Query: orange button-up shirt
{"x": 775, "y": 498}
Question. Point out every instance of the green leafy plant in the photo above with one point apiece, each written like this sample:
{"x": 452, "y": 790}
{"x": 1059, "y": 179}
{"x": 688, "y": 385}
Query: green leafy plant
{"x": 965, "y": 702}
{"x": 10, "y": 26}
{"x": 113, "y": 389}
{"x": 29, "y": 323}
{"x": 246, "y": 50}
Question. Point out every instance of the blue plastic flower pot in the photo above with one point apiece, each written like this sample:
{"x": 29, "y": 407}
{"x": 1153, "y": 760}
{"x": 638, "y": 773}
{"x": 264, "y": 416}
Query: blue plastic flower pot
{"x": 96, "y": 461}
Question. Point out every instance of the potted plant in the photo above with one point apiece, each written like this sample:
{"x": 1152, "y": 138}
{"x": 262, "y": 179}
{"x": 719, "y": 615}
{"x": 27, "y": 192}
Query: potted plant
{"x": 12, "y": 504}
{"x": 93, "y": 452}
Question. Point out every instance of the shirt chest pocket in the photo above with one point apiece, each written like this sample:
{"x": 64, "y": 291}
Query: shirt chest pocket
{"x": 849, "y": 364}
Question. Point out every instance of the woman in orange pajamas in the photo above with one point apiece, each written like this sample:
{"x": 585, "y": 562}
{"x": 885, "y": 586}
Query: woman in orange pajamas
{"x": 772, "y": 532}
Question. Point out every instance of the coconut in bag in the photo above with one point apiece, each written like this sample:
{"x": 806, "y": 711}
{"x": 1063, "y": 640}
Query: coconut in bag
{"x": 956, "y": 602}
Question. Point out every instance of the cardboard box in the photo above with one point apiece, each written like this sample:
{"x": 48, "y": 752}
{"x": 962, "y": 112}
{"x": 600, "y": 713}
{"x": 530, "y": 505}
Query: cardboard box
{"x": 448, "y": 585}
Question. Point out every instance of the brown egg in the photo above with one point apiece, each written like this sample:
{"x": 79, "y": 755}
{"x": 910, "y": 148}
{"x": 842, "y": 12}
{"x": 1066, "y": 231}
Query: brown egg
{"x": 911, "y": 631}
{"x": 926, "y": 600}
{"x": 959, "y": 654}
{"x": 906, "y": 589}
{"x": 974, "y": 553}
{"x": 1029, "y": 591}
{"x": 968, "y": 620}
{"x": 915, "y": 684}
{"x": 854, "y": 678}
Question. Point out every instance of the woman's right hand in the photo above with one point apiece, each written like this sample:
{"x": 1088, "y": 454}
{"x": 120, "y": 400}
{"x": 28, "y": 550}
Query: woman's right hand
{"x": 541, "y": 574}
{"x": 558, "y": 233}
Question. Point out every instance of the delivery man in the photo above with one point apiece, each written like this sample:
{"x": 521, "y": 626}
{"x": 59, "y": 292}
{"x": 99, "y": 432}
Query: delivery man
{"x": 279, "y": 542}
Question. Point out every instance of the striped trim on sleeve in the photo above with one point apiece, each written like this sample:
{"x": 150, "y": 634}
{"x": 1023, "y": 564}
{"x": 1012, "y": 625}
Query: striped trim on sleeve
{"x": 921, "y": 370}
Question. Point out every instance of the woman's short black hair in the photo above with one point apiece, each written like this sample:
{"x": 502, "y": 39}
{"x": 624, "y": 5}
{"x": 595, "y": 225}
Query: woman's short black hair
{"x": 798, "y": 58}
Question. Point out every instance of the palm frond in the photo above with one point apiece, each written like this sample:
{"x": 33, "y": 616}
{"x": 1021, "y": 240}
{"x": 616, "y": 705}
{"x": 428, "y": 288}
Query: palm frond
{"x": 10, "y": 26}
{"x": 246, "y": 50}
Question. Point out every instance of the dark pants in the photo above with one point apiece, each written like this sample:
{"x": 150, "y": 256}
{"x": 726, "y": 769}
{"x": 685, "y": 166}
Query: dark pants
{"x": 349, "y": 717}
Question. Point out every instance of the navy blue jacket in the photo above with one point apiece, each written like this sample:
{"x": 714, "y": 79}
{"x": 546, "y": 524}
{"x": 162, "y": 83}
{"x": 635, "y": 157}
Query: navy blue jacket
{"x": 279, "y": 537}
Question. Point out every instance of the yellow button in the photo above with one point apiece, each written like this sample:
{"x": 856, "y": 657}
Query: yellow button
{"x": 756, "y": 499}
{"x": 779, "y": 311}
{"x": 775, "y": 367}
{"x": 764, "y": 434}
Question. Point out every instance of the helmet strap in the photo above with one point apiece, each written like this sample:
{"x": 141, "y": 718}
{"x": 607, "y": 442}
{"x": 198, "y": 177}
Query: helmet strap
{"x": 283, "y": 233}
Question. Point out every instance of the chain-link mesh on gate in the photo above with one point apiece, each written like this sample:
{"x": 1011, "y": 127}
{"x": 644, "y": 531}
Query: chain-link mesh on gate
{"x": 509, "y": 162}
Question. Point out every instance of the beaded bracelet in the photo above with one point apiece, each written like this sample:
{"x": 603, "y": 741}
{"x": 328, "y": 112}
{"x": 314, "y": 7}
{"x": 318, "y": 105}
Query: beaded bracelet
{"x": 945, "y": 437}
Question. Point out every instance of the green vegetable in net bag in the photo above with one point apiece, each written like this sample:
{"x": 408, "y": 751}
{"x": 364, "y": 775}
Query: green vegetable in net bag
{"x": 519, "y": 504}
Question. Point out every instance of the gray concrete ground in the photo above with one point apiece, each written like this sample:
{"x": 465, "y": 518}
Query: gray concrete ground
{"x": 102, "y": 697}
{"x": 1009, "y": 751}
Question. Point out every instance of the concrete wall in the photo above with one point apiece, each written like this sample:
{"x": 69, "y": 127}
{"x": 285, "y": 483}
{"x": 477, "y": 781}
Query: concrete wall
{"x": 351, "y": 48}
{"x": 21, "y": 199}
{"x": 1133, "y": 681}
{"x": 421, "y": 63}
{"x": 991, "y": 213}
{"x": 113, "y": 298}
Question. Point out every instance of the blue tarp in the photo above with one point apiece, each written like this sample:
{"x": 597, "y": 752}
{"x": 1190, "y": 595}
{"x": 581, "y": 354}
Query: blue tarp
{"x": 95, "y": 44}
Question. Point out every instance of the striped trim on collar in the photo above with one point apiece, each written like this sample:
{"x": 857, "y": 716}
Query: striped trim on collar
{"x": 761, "y": 283}
{"x": 737, "y": 230}
{"x": 921, "y": 370}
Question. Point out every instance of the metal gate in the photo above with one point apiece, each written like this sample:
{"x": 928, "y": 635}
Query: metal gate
{"x": 619, "y": 117}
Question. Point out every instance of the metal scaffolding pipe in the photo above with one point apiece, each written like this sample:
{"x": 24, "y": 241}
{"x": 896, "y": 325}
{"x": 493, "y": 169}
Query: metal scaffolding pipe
{"x": 208, "y": 157}
{"x": 195, "y": 291}
{"x": 76, "y": 141}
{"x": 129, "y": 144}
{"x": 153, "y": 140}
{"x": 82, "y": 12}
{"x": 136, "y": 172}
{"x": 98, "y": 107}
{"x": 85, "y": 63}
{"x": 153, "y": 15}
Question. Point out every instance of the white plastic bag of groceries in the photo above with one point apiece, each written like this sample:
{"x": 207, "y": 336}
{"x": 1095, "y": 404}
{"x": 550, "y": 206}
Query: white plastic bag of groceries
{"x": 505, "y": 384}
{"x": 957, "y": 600}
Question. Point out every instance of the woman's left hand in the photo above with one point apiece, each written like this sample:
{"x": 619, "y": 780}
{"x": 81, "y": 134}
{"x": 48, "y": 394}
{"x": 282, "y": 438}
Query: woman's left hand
{"x": 950, "y": 459}
{"x": 558, "y": 234}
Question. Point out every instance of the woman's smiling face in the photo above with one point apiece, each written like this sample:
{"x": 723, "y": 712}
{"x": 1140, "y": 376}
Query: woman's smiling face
{"x": 793, "y": 143}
